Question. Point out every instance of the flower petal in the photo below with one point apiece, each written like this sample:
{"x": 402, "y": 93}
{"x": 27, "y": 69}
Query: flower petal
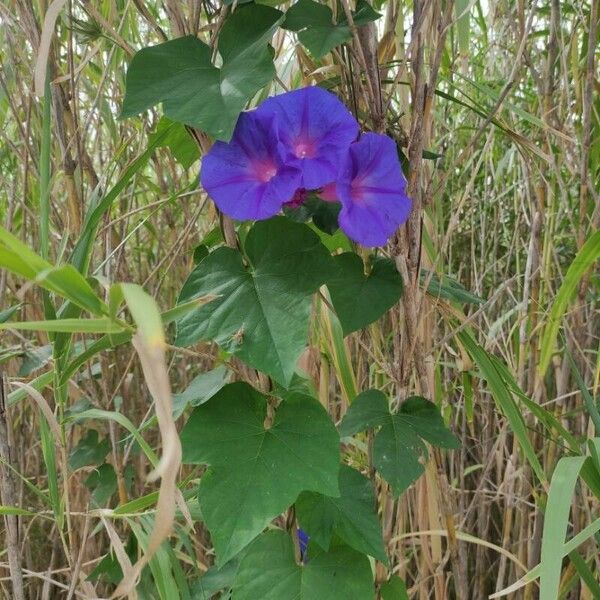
{"x": 247, "y": 178}
{"x": 372, "y": 190}
{"x": 315, "y": 131}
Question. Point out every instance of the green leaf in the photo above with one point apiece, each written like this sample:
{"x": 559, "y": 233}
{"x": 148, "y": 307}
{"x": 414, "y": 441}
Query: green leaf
{"x": 39, "y": 383}
{"x": 261, "y": 313}
{"x": 167, "y": 577}
{"x": 352, "y": 516}
{"x": 256, "y": 472}
{"x": 201, "y": 388}
{"x": 394, "y": 589}
{"x": 179, "y": 73}
{"x": 178, "y": 140}
{"x": 577, "y": 540}
{"x": 339, "y": 353}
{"x": 64, "y": 280}
{"x": 35, "y": 359}
{"x": 502, "y": 395}
{"x": 361, "y": 299}
{"x": 370, "y": 409}
{"x": 99, "y": 325}
{"x": 122, "y": 420}
{"x": 556, "y": 522}
{"x": 585, "y": 258}
{"x": 585, "y": 573}
{"x": 398, "y": 447}
{"x": 15, "y": 511}
{"x": 215, "y": 580}
{"x": 269, "y": 571}
{"x": 448, "y": 288}
{"x": 103, "y": 484}
{"x": 364, "y": 14}
{"x": 6, "y": 314}
{"x": 462, "y": 10}
{"x": 314, "y": 24}
{"x": 333, "y": 242}
{"x": 107, "y": 570}
{"x": 89, "y": 451}
{"x": 324, "y": 214}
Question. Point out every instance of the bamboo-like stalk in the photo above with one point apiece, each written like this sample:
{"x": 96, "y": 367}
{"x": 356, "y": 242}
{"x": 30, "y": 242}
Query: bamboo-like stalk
{"x": 9, "y": 498}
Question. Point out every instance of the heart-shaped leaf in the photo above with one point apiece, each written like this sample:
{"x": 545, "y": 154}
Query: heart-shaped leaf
{"x": 269, "y": 571}
{"x": 361, "y": 299}
{"x": 256, "y": 472}
{"x": 351, "y": 517}
{"x": 261, "y": 313}
{"x": 179, "y": 73}
{"x": 316, "y": 29}
{"x": 398, "y": 447}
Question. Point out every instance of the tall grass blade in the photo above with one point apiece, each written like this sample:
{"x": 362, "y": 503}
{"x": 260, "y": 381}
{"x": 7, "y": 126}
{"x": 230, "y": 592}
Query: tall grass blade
{"x": 503, "y": 397}
{"x": 585, "y": 258}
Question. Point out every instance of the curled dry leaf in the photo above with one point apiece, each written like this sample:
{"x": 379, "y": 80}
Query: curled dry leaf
{"x": 149, "y": 343}
{"x": 41, "y": 62}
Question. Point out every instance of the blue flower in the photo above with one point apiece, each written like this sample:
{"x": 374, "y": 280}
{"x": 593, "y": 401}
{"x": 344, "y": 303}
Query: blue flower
{"x": 248, "y": 177}
{"x": 315, "y": 131}
{"x": 372, "y": 190}
{"x": 303, "y": 539}
{"x": 306, "y": 140}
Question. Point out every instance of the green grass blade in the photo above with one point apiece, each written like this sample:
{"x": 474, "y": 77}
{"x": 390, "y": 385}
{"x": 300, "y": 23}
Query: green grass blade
{"x": 576, "y": 541}
{"x": 589, "y": 402}
{"x": 556, "y": 521}
{"x": 585, "y": 258}
{"x": 339, "y": 353}
{"x": 64, "y": 280}
{"x": 39, "y": 383}
{"x": 48, "y": 444}
{"x": 462, "y": 10}
{"x": 100, "y": 325}
{"x": 16, "y": 511}
{"x": 585, "y": 573}
{"x": 160, "y": 563}
{"x": 503, "y": 397}
{"x": 45, "y": 171}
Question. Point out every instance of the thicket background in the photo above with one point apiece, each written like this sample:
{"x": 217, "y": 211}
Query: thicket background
{"x": 496, "y": 107}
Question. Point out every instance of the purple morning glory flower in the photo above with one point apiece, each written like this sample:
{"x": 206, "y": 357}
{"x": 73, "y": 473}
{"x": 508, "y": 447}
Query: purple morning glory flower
{"x": 372, "y": 190}
{"x": 303, "y": 539}
{"x": 315, "y": 129}
{"x": 248, "y": 178}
